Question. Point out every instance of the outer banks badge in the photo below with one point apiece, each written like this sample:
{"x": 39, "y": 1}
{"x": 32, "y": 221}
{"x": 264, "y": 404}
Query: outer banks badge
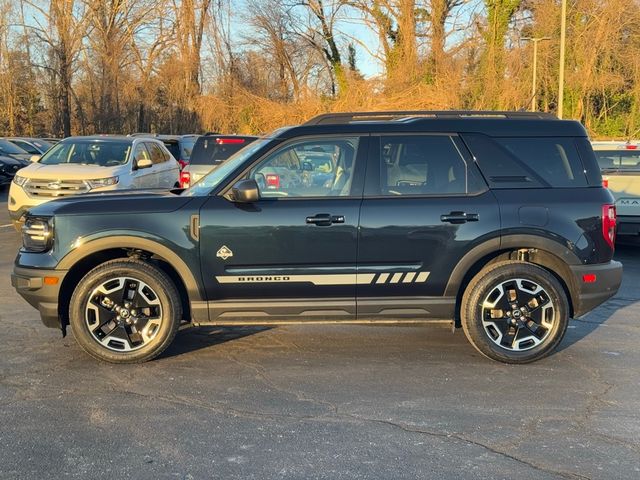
{"x": 224, "y": 252}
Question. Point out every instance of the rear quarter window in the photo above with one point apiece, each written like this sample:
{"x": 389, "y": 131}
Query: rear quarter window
{"x": 528, "y": 162}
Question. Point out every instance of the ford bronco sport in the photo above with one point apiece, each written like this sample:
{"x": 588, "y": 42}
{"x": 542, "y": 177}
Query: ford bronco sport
{"x": 497, "y": 222}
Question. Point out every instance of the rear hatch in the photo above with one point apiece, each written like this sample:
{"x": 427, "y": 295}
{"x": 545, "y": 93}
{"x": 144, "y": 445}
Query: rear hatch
{"x": 210, "y": 151}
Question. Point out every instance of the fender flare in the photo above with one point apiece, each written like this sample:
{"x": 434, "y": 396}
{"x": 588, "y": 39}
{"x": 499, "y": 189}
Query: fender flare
{"x": 135, "y": 242}
{"x": 506, "y": 242}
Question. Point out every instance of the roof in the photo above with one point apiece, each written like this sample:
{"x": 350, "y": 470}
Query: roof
{"x": 492, "y": 123}
{"x": 105, "y": 138}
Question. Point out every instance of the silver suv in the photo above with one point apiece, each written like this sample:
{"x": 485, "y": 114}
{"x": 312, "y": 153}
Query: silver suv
{"x": 620, "y": 166}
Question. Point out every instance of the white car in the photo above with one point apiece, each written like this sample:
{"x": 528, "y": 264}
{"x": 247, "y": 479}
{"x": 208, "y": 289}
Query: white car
{"x": 620, "y": 166}
{"x": 79, "y": 165}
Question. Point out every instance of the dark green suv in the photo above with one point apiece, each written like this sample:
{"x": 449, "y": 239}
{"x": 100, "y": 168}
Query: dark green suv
{"x": 496, "y": 222}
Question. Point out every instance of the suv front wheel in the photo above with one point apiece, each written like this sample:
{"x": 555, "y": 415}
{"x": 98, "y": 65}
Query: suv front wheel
{"x": 514, "y": 312}
{"x": 125, "y": 311}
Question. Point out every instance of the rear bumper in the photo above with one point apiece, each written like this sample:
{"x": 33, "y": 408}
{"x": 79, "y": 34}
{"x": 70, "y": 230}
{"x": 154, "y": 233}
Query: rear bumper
{"x": 29, "y": 283}
{"x": 628, "y": 225}
{"x": 590, "y": 295}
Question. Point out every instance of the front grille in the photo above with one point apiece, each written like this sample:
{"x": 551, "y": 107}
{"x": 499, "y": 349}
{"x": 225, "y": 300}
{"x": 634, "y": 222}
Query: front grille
{"x": 55, "y": 188}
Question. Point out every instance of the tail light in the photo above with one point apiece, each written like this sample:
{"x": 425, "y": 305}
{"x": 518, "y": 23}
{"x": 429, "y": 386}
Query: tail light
{"x": 273, "y": 181}
{"x": 183, "y": 164}
{"x": 605, "y": 182}
{"x": 229, "y": 141}
{"x": 185, "y": 179}
{"x": 609, "y": 222}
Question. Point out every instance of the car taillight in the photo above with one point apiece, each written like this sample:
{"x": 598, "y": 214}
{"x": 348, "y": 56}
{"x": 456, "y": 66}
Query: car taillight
{"x": 185, "y": 179}
{"x": 229, "y": 141}
{"x": 609, "y": 221}
{"x": 605, "y": 182}
{"x": 631, "y": 147}
{"x": 182, "y": 164}
{"x": 273, "y": 181}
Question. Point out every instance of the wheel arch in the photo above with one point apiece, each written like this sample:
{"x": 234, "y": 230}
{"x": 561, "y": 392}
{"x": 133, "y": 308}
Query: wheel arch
{"x": 546, "y": 253}
{"x": 93, "y": 253}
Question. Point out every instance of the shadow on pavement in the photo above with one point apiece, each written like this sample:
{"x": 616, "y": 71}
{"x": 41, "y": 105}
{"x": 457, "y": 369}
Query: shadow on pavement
{"x": 193, "y": 339}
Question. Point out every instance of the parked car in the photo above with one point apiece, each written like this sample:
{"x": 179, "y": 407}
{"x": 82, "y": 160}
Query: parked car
{"x": 209, "y": 151}
{"x": 33, "y": 146}
{"x": 495, "y": 222}
{"x": 8, "y": 149}
{"x": 620, "y": 166}
{"x": 8, "y": 168}
{"x": 180, "y": 146}
{"x": 80, "y": 165}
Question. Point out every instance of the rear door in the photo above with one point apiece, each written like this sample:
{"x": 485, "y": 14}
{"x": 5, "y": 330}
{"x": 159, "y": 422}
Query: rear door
{"x": 158, "y": 173}
{"x": 293, "y": 252}
{"x": 425, "y": 206}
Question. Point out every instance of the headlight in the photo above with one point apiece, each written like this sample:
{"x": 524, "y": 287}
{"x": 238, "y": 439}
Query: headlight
{"x": 102, "y": 182}
{"x": 20, "y": 181}
{"x": 37, "y": 234}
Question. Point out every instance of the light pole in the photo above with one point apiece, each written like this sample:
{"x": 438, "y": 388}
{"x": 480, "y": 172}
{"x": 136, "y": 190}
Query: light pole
{"x": 563, "y": 38}
{"x": 534, "y": 83}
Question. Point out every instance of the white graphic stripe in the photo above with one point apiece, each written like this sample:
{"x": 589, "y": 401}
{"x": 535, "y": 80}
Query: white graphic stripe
{"x": 409, "y": 277}
{"x": 422, "y": 277}
{"x": 329, "y": 279}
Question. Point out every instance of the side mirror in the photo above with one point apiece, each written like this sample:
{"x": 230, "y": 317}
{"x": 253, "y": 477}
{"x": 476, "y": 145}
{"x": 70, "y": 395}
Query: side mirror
{"x": 35, "y": 158}
{"x": 144, "y": 163}
{"x": 245, "y": 191}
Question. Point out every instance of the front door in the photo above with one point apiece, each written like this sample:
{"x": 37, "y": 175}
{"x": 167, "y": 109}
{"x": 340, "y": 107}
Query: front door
{"x": 425, "y": 206}
{"x": 294, "y": 251}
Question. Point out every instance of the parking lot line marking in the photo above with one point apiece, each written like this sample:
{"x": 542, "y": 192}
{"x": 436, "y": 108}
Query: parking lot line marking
{"x": 7, "y": 225}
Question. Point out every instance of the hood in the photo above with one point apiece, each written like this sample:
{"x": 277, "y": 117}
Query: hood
{"x": 67, "y": 171}
{"x": 115, "y": 202}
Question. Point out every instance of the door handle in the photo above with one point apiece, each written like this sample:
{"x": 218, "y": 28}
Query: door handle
{"x": 324, "y": 219}
{"x": 457, "y": 218}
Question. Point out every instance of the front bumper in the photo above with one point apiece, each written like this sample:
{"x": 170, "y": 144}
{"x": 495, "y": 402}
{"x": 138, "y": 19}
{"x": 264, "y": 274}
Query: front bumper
{"x": 608, "y": 277}
{"x": 30, "y": 284}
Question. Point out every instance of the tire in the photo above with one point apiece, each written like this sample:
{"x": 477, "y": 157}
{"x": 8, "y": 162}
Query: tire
{"x": 112, "y": 329}
{"x": 514, "y": 335}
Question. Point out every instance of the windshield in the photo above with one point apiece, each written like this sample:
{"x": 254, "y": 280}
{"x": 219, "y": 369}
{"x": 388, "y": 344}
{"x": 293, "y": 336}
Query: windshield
{"x": 213, "y": 178}
{"x": 10, "y": 149}
{"x": 88, "y": 152}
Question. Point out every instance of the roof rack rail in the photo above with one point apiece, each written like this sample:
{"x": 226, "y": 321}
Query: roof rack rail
{"x": 348, "y": 117}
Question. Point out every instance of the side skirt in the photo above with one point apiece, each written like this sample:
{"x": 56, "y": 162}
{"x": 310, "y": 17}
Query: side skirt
{"x": 386, "y": 311}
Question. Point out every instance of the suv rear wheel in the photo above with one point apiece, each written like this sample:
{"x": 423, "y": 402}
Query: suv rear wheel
{"x": 125, "y": 311}
{"x": 514, "y": 312}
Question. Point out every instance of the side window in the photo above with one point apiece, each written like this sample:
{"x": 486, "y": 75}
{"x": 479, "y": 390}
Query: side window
{"x": 309, "y": 168}
{"x": 421, "y": 165}
{"x": 556, "y": 160}
{"x": 157, "y": 155}
{"x": 140, "y": 153}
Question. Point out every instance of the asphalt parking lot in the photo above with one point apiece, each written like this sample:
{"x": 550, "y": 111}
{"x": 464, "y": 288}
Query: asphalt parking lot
{"x": 320, "y": 402}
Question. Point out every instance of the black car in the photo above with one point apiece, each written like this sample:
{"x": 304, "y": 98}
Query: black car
{"x": 495, "y": 222}
{"x": 8, "y": 149}
{"x": 33, "y": 146}
{"x": 8, "y": 168}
